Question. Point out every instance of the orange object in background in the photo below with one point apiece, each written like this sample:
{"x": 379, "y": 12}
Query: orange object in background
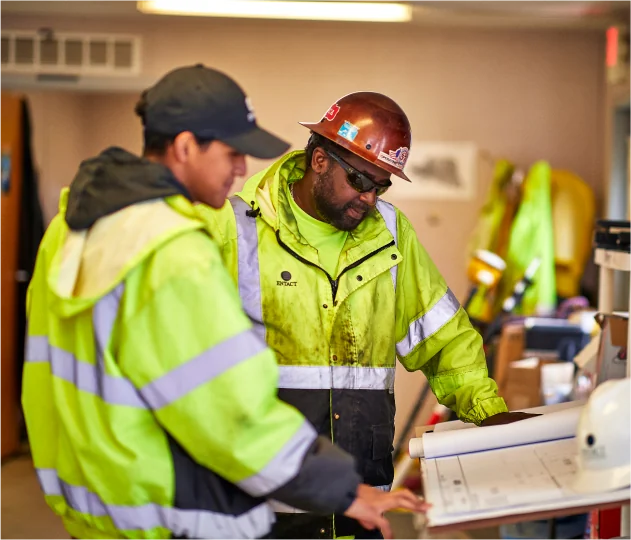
{"x": 485, "y": 268}
{"x": 11, "y": 203}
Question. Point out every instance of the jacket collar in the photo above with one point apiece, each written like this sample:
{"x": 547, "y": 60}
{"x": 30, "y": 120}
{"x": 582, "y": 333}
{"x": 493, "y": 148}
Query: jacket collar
{"x": 268, "y": 191}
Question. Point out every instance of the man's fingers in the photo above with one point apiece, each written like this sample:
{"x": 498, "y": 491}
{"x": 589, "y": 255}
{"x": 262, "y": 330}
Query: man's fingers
{"x": 384, "y": 527}
{"x": 367, "y": 524}
{"x": 409, "y": 496}
{"x": 409, "y": 501}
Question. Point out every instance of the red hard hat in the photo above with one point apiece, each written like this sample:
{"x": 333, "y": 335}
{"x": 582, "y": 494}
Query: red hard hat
{"x": 370, "y": 125}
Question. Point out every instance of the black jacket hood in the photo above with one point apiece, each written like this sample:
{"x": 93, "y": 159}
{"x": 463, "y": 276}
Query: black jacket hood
{"x": 114, "y": 180}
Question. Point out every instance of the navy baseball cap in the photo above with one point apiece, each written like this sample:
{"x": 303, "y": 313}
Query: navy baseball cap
{"x": 210, "y": 105}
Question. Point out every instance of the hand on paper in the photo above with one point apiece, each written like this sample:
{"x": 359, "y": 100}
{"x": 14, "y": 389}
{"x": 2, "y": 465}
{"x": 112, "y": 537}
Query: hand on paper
{"x": 506, "y": 418}
{"x": 371, "y": 503}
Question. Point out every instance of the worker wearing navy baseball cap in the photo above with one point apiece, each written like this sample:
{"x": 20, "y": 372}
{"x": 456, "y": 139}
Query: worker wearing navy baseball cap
{"x": 150, "y": 401}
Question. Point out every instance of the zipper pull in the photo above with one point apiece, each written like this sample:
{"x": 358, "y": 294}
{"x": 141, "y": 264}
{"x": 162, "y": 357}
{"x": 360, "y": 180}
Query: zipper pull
{"x": 254, "y": 212}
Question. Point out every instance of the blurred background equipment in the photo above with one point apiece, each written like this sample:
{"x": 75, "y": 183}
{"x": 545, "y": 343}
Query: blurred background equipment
{"x": 484, "y": 271}
{"x": 516, "y": 224}
{"x": 573, "y": 212}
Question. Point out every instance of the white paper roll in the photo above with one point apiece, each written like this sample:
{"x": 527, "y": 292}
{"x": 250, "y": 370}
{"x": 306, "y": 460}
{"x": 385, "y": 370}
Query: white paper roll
{"x": 549, "y": 427}
{"x": 416, "y": 448}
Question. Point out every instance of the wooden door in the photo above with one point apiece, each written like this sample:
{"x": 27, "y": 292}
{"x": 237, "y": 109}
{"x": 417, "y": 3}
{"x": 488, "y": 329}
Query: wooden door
{"x": 11, "y": 147}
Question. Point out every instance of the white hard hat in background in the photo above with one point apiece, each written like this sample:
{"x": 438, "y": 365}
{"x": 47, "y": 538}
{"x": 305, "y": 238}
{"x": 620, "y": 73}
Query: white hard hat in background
{"x": 604, "y": 440}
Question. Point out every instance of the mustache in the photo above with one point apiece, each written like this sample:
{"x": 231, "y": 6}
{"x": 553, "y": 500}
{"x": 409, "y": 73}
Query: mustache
{"x": 363, "y": 208}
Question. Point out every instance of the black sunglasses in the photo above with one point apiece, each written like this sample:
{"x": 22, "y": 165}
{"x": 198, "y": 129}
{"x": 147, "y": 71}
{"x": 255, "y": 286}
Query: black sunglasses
{"x": 358, "y": 180}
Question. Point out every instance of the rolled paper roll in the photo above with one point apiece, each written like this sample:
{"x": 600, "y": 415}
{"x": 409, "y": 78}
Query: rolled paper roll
{"x": 416, "y": 448}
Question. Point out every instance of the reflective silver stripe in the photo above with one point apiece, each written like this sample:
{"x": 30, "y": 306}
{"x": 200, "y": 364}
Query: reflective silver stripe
{"x": 36, "y": 349}
{"x": 90, "y": 378}
{"x": 198, "y": 371}
{"x": 121, "y": 391}
{"x": 249, "y": 273}
{"x": 171, "y": 386}
{"x": 87, "y": 377}
{"x": 340, "y": 377}
{"x": 49, "y": 481}
{"x": 428, "y": 324}
{"x": 104, "y": 316}
{"x": 114, "y": 390}
{"x": 283, "y": 466}
{"x": 187, "y": 523}
{"x": 384, "y": 488}
{"x": 389, "y": 214}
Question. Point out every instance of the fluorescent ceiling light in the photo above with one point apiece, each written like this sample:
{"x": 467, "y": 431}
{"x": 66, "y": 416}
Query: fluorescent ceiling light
{"x": 280, "y": 9}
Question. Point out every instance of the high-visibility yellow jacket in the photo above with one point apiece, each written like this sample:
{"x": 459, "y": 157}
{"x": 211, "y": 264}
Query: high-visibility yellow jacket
{"x": 337, "y": 337}
{"x": 150, "y": 402}
{"x": 530, "y": 236}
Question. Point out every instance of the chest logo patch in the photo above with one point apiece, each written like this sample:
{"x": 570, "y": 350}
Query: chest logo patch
{"x": 286, "y": 280}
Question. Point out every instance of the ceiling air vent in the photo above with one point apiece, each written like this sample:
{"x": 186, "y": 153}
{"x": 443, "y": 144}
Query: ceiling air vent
{"x": 49, "y": 52}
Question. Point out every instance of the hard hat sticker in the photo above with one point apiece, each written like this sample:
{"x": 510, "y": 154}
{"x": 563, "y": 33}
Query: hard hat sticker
{"x": 396, "y": 158}
{"x": 348, "y": 131}
{"x": 332, "y": 112}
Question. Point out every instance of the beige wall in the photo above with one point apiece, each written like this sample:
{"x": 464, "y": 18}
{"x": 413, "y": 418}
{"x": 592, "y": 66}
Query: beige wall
{"x": 525, "y": 95}
{"x": 59, "y": 135}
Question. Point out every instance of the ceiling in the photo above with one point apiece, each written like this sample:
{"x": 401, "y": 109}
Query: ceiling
{"x": 533, "y": 14}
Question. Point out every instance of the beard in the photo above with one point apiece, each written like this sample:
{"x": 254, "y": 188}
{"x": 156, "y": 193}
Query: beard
{"x": 331, "y": 212}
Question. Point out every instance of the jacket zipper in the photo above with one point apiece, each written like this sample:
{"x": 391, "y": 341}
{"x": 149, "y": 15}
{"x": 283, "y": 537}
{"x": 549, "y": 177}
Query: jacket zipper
{"x": 334, "y": 282}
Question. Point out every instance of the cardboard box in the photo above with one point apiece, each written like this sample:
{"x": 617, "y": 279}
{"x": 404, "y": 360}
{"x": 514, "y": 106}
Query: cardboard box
{"x": 611, "y": 361}
{"x": 605, "y": 357}
{"x": 532, "y": 382}
{"x": 510, "y": 348}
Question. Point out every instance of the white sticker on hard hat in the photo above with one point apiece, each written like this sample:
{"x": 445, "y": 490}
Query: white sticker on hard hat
{"x": 396, "y": 158}
{"x": 348, "y": 131}
{"x": 332, "y": 112}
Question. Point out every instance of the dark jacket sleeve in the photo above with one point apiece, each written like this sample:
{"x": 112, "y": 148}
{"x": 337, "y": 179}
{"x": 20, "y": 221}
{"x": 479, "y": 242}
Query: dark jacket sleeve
{"x": 325, "y": 484}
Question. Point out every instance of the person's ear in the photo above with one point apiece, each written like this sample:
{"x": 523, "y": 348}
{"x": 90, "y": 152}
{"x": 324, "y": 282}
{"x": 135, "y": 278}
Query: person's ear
{"x": 183, "y": 146}
{"x": 320, "y": 161}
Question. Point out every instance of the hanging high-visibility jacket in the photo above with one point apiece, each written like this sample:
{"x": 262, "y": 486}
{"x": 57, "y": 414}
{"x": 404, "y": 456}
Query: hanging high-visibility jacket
{"x": 528, "y": 235}
{"x": 573, "y": 211}
{"x": 150, "y": 402}
{"x": 337, "y": 337}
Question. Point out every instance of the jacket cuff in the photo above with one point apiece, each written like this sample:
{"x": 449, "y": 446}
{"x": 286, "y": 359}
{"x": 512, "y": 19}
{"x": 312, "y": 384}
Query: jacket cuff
{"x": 326, "y": 483}
{"x": 484, "y": 409}
{"x": 347, "y": 500}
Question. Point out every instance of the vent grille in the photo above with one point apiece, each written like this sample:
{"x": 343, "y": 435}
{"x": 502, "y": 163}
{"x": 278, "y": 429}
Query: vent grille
{"x": 70, "y": 53}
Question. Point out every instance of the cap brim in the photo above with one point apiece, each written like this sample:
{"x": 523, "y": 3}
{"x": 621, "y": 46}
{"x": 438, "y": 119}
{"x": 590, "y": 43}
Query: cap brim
{"x": 258, "y": 143}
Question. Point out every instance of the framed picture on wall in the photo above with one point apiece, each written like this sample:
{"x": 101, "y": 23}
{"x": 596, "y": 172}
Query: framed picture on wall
{"x": 439, "y": 171}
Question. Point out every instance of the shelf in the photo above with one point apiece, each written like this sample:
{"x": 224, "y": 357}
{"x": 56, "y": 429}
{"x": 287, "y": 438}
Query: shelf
{"x": 610, "y": 260}
{"x": 614, "y": 260}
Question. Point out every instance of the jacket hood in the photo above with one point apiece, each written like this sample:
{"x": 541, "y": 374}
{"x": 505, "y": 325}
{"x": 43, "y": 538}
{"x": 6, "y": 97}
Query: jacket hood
{"x": 262, "y": 190}
{"x": 114, "y": 180}
{"x": 118, "y": 210}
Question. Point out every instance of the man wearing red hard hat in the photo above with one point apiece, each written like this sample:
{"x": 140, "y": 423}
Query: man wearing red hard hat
{"x": 336, "y": 281}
